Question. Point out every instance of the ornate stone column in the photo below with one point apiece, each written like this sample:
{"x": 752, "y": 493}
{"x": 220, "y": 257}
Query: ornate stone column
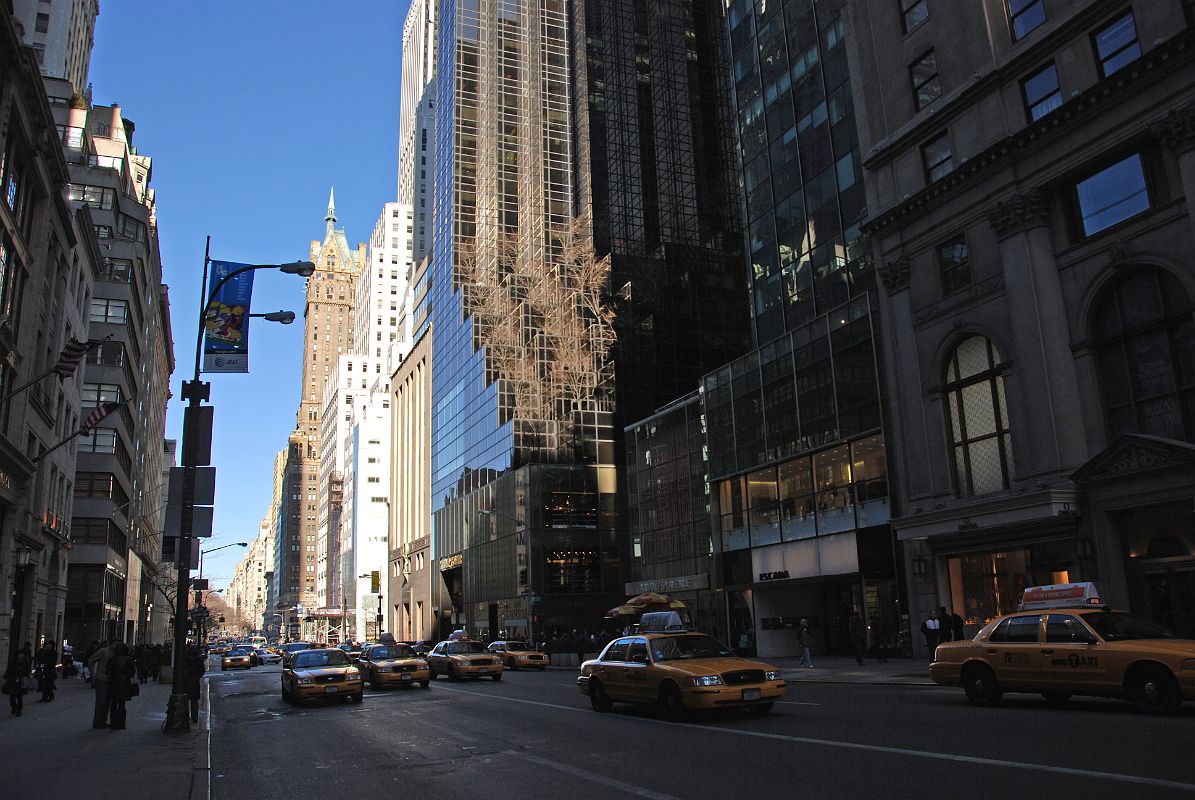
{"x": 1176, "y": 132}
{"x": 1051, "y": 436}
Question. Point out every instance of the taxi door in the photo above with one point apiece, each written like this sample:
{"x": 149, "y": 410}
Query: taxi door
{"x": 609, "y": 669}
{"x": 639, "y": 687}
{"x": 1014, "y": 651}
{"x": 1072, "y": 658}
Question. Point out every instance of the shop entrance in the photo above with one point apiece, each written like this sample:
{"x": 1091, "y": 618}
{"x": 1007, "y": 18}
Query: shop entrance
{"x": 1159, "y": 546}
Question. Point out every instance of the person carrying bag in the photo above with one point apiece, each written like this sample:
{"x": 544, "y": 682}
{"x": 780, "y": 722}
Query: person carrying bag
{"x": 122, "y": 686}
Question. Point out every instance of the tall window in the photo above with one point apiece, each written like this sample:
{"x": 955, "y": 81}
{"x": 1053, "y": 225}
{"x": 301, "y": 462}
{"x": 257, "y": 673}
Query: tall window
{"x": 913, "y": 13}
{"x": 1025, "y": 16}
{"x": 924, "y": 74}
{"x": 936, "y": 158}
{"x": 1116, "y": 44}
{"x": 1041, "y": 91}
{"x": 1144, "y": 329}
{"x": 980, "y": 443}
{"x": 954, "y": 264}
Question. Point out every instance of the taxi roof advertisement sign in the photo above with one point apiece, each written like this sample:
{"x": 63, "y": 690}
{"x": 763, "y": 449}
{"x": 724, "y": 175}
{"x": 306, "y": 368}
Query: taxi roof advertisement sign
{"x": 1060, "y": 594}
{"x": 226, "y": 321}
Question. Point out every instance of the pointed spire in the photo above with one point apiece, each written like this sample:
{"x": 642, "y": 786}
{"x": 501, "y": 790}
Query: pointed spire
{"x": 331, "y": 206}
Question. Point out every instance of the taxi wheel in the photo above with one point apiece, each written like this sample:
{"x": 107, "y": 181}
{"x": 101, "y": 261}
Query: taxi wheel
{"x": 358, "y": 697}
{"x": 673, "y": 704}
{"x": 1152, "y": 690}
{"x": 432, "y": 674}
{"x": 981, "y": 687}
{"x": 374, "y": 683}
{"x": 496, "y": 677}
{"x": 425, "y": 684}
{"x": 598, "y": 699}
{"x": 511, "y": 665}
{"x": 452, "y": 676}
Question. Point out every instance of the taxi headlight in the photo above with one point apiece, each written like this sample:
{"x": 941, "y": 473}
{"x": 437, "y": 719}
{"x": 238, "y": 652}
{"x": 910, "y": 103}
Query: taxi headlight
{"x": 420, "y": 665}
{"x": 1188, "y": 663}
{"x": 771, "y": 676}
{"x": 306, "y": 681}
{"x": 704, "y": 680}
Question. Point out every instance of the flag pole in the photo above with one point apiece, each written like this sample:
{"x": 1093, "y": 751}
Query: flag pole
{"x": 90, "y": 346}
{"x": 86, "y": 429}
{"x": 63, "y": 443}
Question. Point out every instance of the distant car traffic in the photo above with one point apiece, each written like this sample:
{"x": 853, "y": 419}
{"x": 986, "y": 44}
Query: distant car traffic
{"x": 515, "y": 655}
{"x": 290, "y": 648}
{"x": 237, "y": 658}
{"x": 393, "y": 665}
{"x": 320, "y": 673}
{"x": 679, "y": 671}
{"x": 265, "y": 656}
{"x": 462, "y": 658}
{"x": 1065, "y": 642}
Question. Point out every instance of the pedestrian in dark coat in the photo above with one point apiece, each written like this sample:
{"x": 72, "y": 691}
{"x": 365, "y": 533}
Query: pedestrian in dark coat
{"x": 97, "y": 666}
{"x": 14, "y": 679}
{"x": 957, "y": 629}
{"x": 47, "y": 671}
{"x": 122, "y": 671}
{"x": 858, "y": 634}
{"x": 193, "y": 669}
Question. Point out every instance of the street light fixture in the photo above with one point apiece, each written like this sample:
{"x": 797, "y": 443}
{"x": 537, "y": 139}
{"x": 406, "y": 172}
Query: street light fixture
{"x": 284, "y": 317}
{"x": 195, "y": 392}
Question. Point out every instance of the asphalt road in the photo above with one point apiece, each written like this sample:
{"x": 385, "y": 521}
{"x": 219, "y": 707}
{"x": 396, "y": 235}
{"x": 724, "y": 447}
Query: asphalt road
{"x": 534, "y": 735}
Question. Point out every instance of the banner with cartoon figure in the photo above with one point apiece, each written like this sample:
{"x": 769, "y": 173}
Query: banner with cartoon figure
{"x": 226, "y": 321}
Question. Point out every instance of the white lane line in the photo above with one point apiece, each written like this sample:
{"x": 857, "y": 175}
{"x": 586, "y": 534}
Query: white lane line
{"x": 594, "y": 777}
{"x": 871, "y": 748}
{"x": 795, "y": 703}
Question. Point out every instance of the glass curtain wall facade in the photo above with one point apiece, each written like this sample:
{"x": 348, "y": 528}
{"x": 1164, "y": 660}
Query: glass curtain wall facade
{"x": 799, "y": 489}
{"x": 504, "y": 192}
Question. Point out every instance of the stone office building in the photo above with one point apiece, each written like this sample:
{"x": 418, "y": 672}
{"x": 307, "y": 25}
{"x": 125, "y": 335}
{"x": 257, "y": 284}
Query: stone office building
{"x": 1029, "y": 169}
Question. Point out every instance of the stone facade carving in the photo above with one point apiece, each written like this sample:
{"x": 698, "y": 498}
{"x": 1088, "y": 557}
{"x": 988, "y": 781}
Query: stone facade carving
{"x": 1176, "y": 131}
{"x": 895, "y": 275}
{"x": 1020, "y": 211}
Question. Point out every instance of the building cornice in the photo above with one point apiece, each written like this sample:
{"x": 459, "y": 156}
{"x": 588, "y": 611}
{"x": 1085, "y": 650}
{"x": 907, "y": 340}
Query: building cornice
{"x": 1165, "y": 58}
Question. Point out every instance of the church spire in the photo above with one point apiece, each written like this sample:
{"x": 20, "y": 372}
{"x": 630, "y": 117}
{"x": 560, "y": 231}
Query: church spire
{"x": 331, "y": 218}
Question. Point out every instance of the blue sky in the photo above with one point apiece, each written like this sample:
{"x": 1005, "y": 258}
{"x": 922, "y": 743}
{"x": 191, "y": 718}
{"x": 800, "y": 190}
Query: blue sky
{"x": 251, "y": 111}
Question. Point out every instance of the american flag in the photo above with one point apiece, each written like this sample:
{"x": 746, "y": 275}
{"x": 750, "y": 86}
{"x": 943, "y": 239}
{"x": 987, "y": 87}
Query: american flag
{"x": 72, "y": 356}
{"x": 98, "y": 414}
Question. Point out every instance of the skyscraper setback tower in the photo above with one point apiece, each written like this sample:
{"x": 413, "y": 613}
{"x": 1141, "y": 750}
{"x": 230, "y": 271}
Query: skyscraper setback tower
{"x": 328, "y": 332}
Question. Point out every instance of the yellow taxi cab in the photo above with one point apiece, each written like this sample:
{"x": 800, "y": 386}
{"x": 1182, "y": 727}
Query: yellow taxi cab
{"x": 236, "y": 658}
{"x": 1064, "y": 641}
{"x": 392, "y": 664}
{"x": 665, "y": 664}
{"x": 459, "y": 657}
{"x": 516, "y": 655}
{"x": 320, "y": 673}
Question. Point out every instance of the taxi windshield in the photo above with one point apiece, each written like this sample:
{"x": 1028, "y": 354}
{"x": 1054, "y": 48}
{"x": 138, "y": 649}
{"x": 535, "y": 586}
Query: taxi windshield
{"x": 321, "y": 658}
{"x": 1120, "y": 626}
{"x": 517, "y": 646}
{"x": 674, "y": 648}
{"x": 391, "y": 651}
{"x": 464, "y": 648}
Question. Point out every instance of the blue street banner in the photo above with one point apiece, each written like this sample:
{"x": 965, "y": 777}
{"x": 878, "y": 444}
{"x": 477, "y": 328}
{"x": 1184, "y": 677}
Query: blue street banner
{"x": 226, "y": 321}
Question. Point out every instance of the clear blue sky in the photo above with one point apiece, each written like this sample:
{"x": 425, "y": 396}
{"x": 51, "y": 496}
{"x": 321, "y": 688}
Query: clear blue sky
{"x": 251, "y": 111}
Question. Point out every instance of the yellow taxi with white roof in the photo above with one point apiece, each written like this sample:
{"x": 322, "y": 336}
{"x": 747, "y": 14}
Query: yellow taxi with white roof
{"x": 666, "y": 665}
{"x": 461, "y": 657}
{"x": 1064, "y": 641}
{"x": 516, "y": 655}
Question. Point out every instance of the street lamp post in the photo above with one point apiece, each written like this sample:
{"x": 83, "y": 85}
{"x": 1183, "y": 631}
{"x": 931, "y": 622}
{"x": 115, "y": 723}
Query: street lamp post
{"x": 195, "y": 392}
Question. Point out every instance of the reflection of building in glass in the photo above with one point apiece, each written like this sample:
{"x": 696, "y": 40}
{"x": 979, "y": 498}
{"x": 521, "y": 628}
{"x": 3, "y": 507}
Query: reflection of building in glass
{"x": 796, "y": 459}
{"x": 552, "y": 188}
{"x": 1038, "y": 297}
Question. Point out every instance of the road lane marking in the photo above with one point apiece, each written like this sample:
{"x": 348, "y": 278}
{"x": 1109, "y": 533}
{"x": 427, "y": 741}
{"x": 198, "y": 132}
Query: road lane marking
{"x": 594, "y": 777}
{"x": 795, "y": 703}
{"x": 872, "y": 748}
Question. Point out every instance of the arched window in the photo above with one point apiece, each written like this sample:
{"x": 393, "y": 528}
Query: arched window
{"x": 1144, "y": 332}
{"x": 980, "y": 445}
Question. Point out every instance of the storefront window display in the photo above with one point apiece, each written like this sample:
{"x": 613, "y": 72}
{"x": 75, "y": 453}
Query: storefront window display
{"x": 985, "y": 585}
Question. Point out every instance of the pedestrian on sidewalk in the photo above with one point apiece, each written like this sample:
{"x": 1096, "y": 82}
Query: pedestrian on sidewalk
{"x": 97, "y": 664}
{"x": 854, "y": 628}
{"x": 122, "y": 672}
{"x": 881, "y": 635}
{"x": 142, "y": 663}
{"x": 957, "y": 627}
{"x": 47, "y": 671}
{"x": 193, "y": 668}
{"x": 805, "y": 639}
{"x": 15, "y": 679}
{"x": 930, "y": 628}
{"x": 945, "y": 625}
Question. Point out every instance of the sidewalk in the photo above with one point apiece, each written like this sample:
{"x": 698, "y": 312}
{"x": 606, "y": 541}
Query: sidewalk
{"x": 51, "y": 750}
{"x": 843, "y": 669}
